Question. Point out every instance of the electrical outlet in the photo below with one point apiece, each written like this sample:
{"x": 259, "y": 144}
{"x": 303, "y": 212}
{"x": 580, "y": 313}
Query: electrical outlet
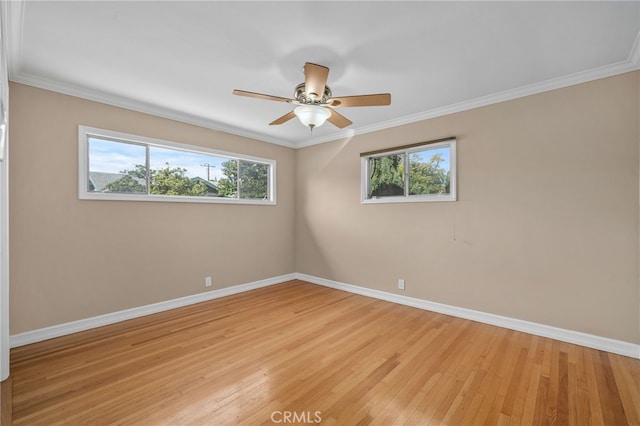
{"x": 207, "y": 281}
{"x": 401, "y": 284}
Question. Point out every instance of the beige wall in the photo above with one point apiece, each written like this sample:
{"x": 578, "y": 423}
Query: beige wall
{"x": 545, "y": 228}
{"x": 73, "y": 259}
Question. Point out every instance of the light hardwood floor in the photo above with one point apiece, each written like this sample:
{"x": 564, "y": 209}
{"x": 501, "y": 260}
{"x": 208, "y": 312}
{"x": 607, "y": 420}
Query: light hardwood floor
{"x": 297, "y": 351}
{"x": 5, "y": 402}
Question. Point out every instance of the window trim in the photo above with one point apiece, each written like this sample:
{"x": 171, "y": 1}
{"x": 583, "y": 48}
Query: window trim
{"x": 84, "y": 132}
{"x": 407, "y": 150}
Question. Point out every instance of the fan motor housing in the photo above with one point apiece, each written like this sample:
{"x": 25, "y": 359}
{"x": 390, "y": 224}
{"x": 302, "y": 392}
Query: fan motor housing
{"x": 301, "y": 96}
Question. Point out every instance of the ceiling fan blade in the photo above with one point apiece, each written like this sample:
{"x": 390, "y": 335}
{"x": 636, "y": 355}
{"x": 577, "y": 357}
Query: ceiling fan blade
{"x": 338, "y": 120}
{"x": 288, "y": 116}
{"x": 361, "y": 100}
{"x": 315, "y": 79}
{"x": 260, "y": 96}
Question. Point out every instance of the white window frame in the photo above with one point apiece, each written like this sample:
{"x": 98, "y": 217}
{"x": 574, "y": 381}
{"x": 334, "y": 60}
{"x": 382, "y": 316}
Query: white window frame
{"x": 84, "y": 132}
{"x": 407, "y": 150}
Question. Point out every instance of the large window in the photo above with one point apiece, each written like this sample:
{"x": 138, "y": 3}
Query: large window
{"x": 117, "y": 166}
{"x": 419, "y": 172}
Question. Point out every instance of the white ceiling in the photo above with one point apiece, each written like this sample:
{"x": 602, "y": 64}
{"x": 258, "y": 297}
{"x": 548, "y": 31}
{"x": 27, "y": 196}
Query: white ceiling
{"x": 182, "y": 59}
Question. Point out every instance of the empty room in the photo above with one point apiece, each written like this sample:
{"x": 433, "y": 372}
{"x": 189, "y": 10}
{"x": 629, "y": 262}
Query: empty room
{"x": 305, "y": 212}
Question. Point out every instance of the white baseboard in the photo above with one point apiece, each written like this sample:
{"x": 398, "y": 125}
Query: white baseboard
{"x": 575, "y": 337}
{"x": 589, "y": 340}
{"x": 41, "y": 334}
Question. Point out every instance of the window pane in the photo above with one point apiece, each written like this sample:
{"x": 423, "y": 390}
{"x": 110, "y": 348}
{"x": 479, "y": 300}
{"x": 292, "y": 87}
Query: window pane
{"x": 228, "y": 185}
{"x": 386, "y": 176}
{"x": 177, "y": 172}
{"x": 254, "y": 180}
{"x": 119, "y": 166}
{"x": 430, "y": 171}
{"x": 116, "y": 167}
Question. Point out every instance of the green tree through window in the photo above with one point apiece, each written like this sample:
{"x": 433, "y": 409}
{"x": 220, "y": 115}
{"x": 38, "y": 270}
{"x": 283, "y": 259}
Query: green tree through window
{"x": 386, "y": 176}
{"x": 119, "y": 166}
{"x": 165, "y": 181}
{"x": 428, "y": 178}
{"x": 417, "y": 172}
{"x": 250, "y": 182}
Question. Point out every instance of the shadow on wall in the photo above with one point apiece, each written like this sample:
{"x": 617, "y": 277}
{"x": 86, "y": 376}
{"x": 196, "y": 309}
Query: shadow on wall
{"x": 313, "y": 210}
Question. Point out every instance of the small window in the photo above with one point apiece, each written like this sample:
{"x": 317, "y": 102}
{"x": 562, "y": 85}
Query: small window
{"x": 117, "y": 166}
{"x": 419, "y": 172}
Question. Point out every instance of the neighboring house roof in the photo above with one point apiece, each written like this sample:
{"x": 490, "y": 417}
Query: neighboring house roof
{"x": 98, "y": 181}
{"x": 211, "y": 187}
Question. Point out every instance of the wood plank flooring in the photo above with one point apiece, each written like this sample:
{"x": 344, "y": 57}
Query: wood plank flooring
{"x": 5, "y": 402}
{"x": 301, "y": 353}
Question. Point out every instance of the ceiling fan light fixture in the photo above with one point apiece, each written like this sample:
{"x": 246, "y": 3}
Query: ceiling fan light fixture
{"x": 312, "y": 115}
{"x": 313, "y": 110}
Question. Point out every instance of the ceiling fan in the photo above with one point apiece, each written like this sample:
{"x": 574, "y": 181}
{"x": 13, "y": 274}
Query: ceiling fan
{"x": 315, "y": 103}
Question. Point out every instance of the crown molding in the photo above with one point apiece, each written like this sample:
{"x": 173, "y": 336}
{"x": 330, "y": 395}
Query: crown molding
{"x": 15, "y": 19}
{"x": 507, "y": 95}
{"x": 634, "y": 55}
{"x": 138, "y": 106}
{"x": 632, "y": 64}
